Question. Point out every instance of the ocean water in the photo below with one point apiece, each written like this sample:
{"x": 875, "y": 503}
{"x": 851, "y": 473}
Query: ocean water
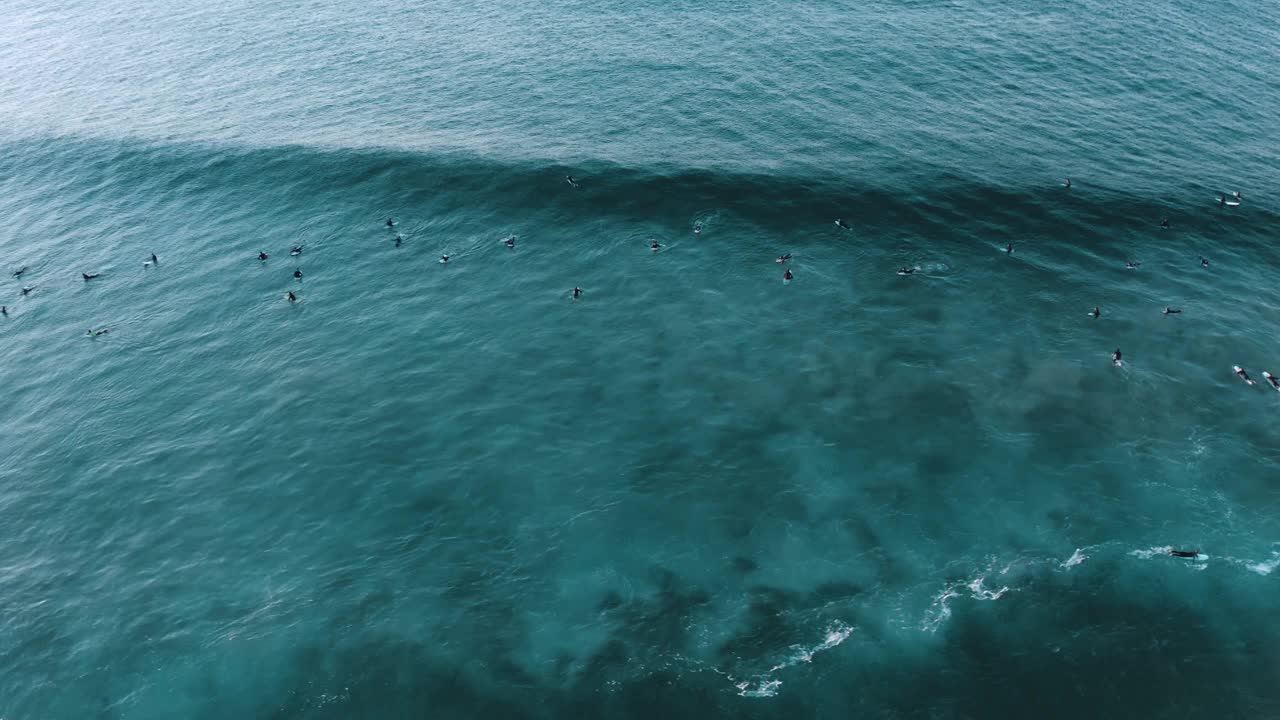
{"x": 451, "y": 491}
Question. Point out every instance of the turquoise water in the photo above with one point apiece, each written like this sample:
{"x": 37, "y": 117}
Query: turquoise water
{"x": 451, "y": 491}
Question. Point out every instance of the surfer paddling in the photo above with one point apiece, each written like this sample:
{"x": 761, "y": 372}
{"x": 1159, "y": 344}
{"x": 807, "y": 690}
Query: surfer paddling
{"x": 1096, "y": 313}
{"x": 1117, "y": 358}
{"x": 1184, "y": 553}
{"x": 1271, "y": 379}
{"x": 1243, "y": 375}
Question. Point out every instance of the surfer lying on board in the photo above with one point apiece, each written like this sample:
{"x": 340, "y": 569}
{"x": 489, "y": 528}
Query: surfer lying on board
{"x": 1184, "y": 553}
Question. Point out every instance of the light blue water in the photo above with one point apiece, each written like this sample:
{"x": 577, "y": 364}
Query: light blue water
{"x": 452, "y": 491}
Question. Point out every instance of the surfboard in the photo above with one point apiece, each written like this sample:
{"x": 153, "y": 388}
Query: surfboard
{"x": 1229, "y": 203}
{"x": 1238, "y": 370}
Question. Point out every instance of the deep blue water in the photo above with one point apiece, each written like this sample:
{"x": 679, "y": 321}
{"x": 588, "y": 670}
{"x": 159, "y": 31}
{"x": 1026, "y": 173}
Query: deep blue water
{"x": 451, "y": 491}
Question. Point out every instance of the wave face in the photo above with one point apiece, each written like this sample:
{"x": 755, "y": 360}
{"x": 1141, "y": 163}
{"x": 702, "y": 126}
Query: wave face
{"x": 451, "y": 490}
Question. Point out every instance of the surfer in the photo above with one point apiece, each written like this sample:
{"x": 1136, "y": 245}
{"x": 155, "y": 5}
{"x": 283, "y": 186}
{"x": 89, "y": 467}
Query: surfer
{"x": 96, "y": 333}
{"x": 1204, "y": 262}
{"x": 1271, "y": 379}
{"x": 1096, "y": 313}
{"x": 1008, "y": 249}
{"x": 391, "y": 223}
{"x": 291, "y": 297}
{"x": 840, "y": 223}
{"x": 697, "y": 228}
{"x": 1243, "y": 375}
{"x": 906, "y": 271}
{"x": 27, "y": 290}
{"x": 1116, "y": 357}
{"x": 1184, "y": 553}
{"x": 297, "y": 250}
{"x": 262, "y": 256}
{"x": 4, "y": 310}
{"x": 569, "y": 179}
{"x": 297, "y": 274}
{"x": 1165, "y": 223}
{"x": 1237, "y": 194}
{"x": 444, "y": 259}
{"x": 655, "y": 246}
{"x": 510, "y": 242}
{"x": 1068, "y": 183}
{"x": 19, "y": 271}
{"x": 154, "y": 260}
{"x": 577, "y": 293}
{"x": 1171, "y": 311}
{"x": 89, "y": 276}
{"x": 787, "y": 275}
{"x": 783, "y": 258}
{"x": 1132, "y": 265}
{"x": 399, "y": 241}
{"x": 1222, "y": 200}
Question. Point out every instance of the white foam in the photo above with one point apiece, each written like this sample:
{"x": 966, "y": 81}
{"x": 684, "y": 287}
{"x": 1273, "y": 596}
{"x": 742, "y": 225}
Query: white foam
{"x": 981, "y": 593}
{"x": 763, "y": 689}
{"x": 941, "y": 611}
{"x": 1151, "y": 552}
{"x": 1076, "y": 558}
{"x": 767, "y": 686}
{"x": 1265, "y": 568}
